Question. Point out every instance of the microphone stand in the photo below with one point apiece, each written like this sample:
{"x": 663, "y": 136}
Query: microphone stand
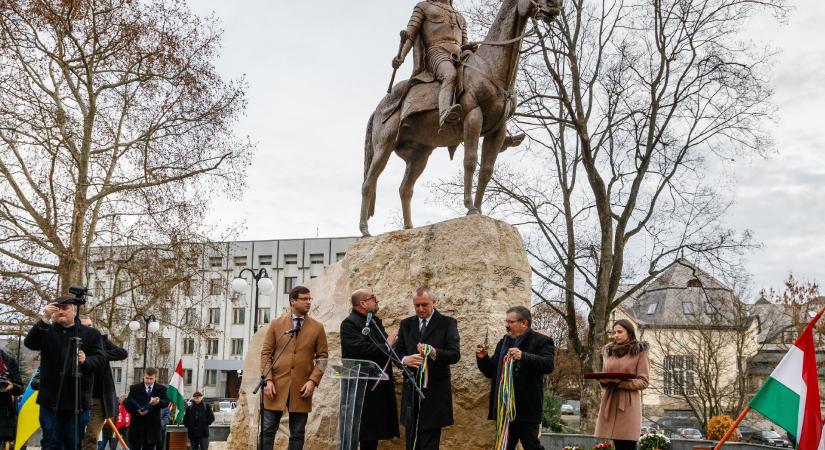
{"x": 393, "y": 356}
{"x": 262, "y": 383}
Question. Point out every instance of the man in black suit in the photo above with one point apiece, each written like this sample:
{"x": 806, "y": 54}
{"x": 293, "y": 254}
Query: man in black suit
{"x": 54, "y": 337}
{"x": 430, "y": 330}
{"x": 379, "y": 416}
{"x": 532, "y": 355}
{"x": 104, "y": 400}
{"x": 144, "y": 403}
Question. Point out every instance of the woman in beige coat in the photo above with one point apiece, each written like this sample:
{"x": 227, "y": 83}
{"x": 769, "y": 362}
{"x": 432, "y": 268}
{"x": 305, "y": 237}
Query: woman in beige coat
{"x": 620, "y": 412}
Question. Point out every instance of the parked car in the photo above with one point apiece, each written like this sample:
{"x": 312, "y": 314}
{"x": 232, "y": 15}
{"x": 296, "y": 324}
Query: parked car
{"x": 770, "y": 437}
{"x": 568, "y": 410}
{"x": 746, "y": 433}
{"x": 690, "y": 433}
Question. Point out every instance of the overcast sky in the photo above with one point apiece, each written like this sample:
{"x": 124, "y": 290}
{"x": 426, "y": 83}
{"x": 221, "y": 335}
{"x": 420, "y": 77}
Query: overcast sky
{"x": 316, "y": 70}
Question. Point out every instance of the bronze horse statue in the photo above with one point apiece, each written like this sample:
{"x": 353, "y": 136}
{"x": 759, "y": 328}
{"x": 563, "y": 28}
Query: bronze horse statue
{"x": 487, "y": 100}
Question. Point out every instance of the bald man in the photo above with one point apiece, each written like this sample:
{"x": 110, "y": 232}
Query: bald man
{"x": 379, "y": 417}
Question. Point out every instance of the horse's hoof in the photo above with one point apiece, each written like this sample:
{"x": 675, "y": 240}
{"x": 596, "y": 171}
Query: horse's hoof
{"x": 473, "y": 211}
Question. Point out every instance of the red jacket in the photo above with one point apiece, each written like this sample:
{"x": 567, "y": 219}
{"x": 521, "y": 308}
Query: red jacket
{"x": 123, "y": 417}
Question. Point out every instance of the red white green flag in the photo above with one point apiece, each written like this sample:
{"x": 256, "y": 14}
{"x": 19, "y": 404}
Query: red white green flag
{"x": 790, "y": 396}
{"x": 175, "y": 393}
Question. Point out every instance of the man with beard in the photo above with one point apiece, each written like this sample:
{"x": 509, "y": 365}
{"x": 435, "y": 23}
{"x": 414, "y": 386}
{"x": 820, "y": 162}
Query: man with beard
{"x": 293, "y": 380}
{"x": 379, "y": 416}
{"x": 532, "y": 356}
{"x": 61, "y": 419}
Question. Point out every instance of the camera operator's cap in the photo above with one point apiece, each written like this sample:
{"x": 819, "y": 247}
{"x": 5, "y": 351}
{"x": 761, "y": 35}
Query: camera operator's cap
{"x": 65, "y": 300}
{"x": 197, "y": 394}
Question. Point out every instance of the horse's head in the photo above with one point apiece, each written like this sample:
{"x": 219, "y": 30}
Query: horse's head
{"x": 546, "y": 10}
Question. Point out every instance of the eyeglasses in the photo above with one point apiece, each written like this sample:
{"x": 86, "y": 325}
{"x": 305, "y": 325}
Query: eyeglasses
{"x": 371, "y": 297}
{"x": 510, "y": 322}
{"x": 304, "y": 299}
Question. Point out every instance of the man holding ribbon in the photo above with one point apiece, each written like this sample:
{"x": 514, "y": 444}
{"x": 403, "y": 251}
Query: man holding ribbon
{"x": 517, "y": 368}
{"x": 428, "y": 343}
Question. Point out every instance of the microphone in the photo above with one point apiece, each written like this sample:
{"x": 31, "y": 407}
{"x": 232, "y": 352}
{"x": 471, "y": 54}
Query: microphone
{"x": 366, "y": 330}
{"x": 292, "y": 331}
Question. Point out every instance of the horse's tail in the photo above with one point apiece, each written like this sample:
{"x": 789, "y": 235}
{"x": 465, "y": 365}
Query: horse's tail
{"x": 368, "y": 147}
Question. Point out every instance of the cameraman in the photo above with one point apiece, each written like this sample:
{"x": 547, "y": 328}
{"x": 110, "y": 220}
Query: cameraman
{"x": 11, "y": 385}
{"x": 53, "y": 337}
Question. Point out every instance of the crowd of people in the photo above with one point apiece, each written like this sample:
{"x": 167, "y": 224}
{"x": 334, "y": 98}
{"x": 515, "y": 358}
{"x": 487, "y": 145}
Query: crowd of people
{"x": 79, "y": 406}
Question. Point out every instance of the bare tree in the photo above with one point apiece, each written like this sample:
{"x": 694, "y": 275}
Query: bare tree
{"x": 115, "y": 129}
{"x": 625, "y": 103}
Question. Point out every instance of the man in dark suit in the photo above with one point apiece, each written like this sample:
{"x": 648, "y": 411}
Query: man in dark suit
{"x": 532, "y": 355}
{"x": 427, "y": 330}
{"x": 104, "y": 400}
{"x": 379, "y": 416}
{"x": 144, "y": 403}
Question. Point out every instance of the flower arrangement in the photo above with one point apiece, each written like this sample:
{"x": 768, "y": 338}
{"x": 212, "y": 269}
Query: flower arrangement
{"x": 651, "y": 441}
{"x": 573, "y": 447}
{"x": 606, "y": 445}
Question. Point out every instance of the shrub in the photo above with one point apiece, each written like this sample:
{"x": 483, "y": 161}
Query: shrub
{"x": 650, "y": 441}
{"x": 551, "y": 417}
{"x": 717, "y": 426}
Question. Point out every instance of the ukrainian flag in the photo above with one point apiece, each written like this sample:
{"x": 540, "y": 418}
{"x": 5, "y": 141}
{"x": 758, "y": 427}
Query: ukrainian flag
{"x": 28, "y": 417}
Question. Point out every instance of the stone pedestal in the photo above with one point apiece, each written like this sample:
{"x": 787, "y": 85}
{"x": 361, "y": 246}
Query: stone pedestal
{"x": 476, "y": 267}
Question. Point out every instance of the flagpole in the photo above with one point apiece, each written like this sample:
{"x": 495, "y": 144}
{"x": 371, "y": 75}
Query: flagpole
{"x": 732, "y": 428}
{"x": 117, "y": 434}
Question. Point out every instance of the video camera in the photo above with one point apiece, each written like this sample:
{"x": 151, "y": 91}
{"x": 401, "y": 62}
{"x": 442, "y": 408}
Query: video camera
{"x": 80, "y": 293}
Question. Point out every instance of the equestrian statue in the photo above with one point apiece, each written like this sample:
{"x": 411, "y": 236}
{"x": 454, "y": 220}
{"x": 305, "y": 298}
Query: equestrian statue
{"x": 459, "y": 91}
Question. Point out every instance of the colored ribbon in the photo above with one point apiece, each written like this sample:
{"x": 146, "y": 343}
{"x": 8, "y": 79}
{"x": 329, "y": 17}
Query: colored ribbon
{"x": 505, "y": 403}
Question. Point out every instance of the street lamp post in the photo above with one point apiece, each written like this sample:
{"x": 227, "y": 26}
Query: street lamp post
{"x": 152, "y": 326}
{"x": 262, "y": 284}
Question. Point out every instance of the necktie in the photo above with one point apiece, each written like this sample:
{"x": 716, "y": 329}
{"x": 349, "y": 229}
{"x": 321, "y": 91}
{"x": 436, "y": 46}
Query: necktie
{"x": 148, "y": 391}
{"x": 423, "y": 326}
{"x": 298, "y": 321}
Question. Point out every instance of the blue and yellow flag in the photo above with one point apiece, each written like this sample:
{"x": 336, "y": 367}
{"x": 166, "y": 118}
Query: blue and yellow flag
{"x": 28, "y": 416}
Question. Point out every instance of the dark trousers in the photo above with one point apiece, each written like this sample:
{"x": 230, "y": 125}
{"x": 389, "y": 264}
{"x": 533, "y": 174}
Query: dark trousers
{"x": 527, "y": 433}
{"x": 144, "y": 446}
{"x": 367, "y": 445}
{"x": 201, "y": 443}
{"x": 297, "y": 423}
{"x": 427, "y": 439}
{"x": 625, "y": 445}
{"x": 59, "y": 431}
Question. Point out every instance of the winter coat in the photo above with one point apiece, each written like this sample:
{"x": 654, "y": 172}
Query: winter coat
{"x": 145, "y": 429}
{"x": 8, "y": 407}
{"x": 537, "y": 356}
{"x": 296, "y": 365}
{"x": 437, "y": 406}
{"x": 104, "y": 385}
{"x": 379, "y": 416}
{"x": 54, "y": 342}
{"x": 620, "y": 411}
{"x": 197, "y": 418}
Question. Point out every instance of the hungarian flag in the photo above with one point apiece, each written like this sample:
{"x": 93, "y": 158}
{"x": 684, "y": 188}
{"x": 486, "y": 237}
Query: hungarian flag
{"x": 790, "y": 396}
{"x": 175, "y": 393}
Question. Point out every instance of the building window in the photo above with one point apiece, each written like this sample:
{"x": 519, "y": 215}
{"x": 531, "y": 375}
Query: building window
{"x": 237, "y": 346}
{"x": 651, "y": 309}
{"x": 139, "y": 346}
{"x": 215, "y": 286}
{"x": 100, "y": 288}
{"x": 188, "y": 346}
{"x": 263, "y": 315}
{"x": 117, "y": 374}
{"x": 164, "y": 346}
{"x": 238, "y": 316}
{"x": 290, "y": 259}
{"x": 265, "y": 260}
{"x": 240, "y": 261}
{"x": 187, "y": 376}
{"x": 211, "y": 346}
{"x": 215, "y": 262}
{"x": 210, "y": 377}
{"x": 192, "y": 263}
{"x": 289, "y": 283}
{"x": 680, "y": 375}
{"x": 190, "y": 316}
{"x": 316, "y": 258}
{"x": 99, "y": 264}
{"x": 186, "y": 288}
{"x": 138, "y": 373}
{"x": 687, "y": 308}
{"x": 339, "y": 256}
{"x": 214, "y": 316}
{"x": 163, "y": 375}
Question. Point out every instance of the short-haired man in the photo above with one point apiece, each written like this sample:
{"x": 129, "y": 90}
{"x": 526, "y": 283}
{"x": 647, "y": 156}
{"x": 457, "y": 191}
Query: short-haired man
{"x": 293, "y": 380}
{"x": 379, "y": 415}
{"x": 434, "y": 336}
{"x": 53, "y": 336}
{"x": 532, "y": 355}
{"x": 104, "y": 399}
{"x": 196, "y": 418}
{"x": 144, "y": 403}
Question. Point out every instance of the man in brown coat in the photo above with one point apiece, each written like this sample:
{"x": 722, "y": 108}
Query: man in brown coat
{"x": 295, "y": 376}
